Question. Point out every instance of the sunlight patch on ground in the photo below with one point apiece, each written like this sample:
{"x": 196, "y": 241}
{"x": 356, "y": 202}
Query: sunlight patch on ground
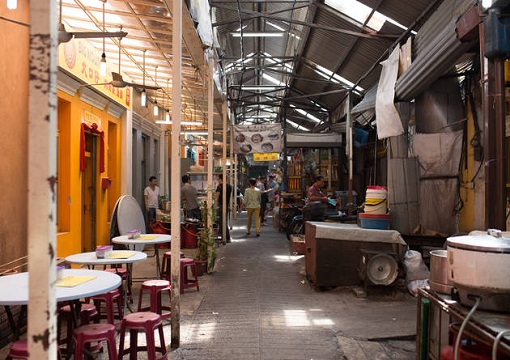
{"x": 296, "y": 318}
{"x": 323, "y": 322}
{"x": 288, "y": 258}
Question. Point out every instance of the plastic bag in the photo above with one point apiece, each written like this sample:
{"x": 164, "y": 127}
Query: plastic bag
{"x": 417, "y": 273}
{"x": 415, "y": 266}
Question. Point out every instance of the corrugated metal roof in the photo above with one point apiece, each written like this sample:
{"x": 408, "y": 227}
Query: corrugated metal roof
{"x": 314, "y": 36}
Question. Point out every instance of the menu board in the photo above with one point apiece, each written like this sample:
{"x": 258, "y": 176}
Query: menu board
{"x": 260, "y": 138}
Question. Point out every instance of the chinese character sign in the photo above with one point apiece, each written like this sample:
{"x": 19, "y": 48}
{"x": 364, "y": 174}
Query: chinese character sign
{"x": 260, "y": 138}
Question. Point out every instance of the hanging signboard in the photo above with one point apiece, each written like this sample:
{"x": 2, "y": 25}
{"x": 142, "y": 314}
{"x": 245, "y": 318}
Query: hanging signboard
{"x": 265, "y": 157}
{"x": 81, "y": 59}
{"x": 260, "y": 138}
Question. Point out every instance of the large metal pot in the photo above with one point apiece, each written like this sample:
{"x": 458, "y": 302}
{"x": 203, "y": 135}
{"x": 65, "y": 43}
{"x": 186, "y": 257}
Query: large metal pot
{"x": 439, "y": 272}
{"x": 479, "y": 266}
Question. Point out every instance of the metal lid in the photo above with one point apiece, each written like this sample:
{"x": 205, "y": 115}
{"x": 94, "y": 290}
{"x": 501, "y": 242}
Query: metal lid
{"x": 482, "y": 242}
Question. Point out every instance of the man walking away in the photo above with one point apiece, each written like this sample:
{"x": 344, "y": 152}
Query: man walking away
{"x": 219, "y": 201}
{"x": 264, "y": 195}
{"x": 252, "y": 204}
{"x": 189, "y": 196}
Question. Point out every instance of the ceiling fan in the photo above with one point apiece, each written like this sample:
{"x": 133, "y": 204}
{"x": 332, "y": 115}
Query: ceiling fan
{"x": 118, "y": 81}
{"x": 65, "y": 36}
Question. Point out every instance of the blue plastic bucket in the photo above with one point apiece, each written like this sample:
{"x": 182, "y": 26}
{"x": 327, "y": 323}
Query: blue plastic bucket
{"x": 374, "y": 221}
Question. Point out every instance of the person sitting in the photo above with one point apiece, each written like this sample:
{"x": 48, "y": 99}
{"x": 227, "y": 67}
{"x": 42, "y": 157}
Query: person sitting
{"x": 315, "y": 193}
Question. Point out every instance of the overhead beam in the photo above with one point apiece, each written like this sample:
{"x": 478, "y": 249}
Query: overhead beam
{"x": 256, "y": 14}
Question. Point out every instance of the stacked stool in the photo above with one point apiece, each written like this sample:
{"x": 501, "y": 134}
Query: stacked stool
{"x": 186, "y": 282}
{"x": 19, "y": 350}
{"x": 185, "y": 263}
{"x": 123, "y": 273}
{"x": 146, "y": 322}
{"x": 166, "y": 265}
{"x": 88, "y": 312}
{"x": 95, "y": 333}
{"x": 155, "y": 289}
{"x": 109, "y": 298}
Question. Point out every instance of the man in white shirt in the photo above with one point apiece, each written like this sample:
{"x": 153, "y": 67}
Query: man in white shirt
{"x": 151, "y": 194}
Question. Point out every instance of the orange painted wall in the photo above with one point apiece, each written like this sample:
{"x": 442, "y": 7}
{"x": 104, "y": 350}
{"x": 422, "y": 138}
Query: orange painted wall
{"x": 70, "y": 177}
{"x": 14, "y": 72}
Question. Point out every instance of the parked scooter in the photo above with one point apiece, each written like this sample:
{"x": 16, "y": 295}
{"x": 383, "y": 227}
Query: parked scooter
{"x": 316, "y": 211}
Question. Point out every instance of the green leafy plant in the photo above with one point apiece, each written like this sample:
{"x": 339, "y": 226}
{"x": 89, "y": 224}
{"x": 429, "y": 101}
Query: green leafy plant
{"x": 206, "y": 250}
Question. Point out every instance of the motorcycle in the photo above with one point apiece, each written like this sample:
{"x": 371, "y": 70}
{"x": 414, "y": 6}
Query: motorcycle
{"x": 316, "y": 211}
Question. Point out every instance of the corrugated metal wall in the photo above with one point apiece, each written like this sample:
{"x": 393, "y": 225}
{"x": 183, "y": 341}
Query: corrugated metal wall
{"x": 436, "y": 48}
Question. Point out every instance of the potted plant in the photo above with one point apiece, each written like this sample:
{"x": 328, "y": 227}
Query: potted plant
{"x": 205, "y": 256}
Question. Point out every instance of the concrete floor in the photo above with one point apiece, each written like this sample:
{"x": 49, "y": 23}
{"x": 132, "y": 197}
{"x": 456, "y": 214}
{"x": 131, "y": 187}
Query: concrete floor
{"x": 257, "y": 304}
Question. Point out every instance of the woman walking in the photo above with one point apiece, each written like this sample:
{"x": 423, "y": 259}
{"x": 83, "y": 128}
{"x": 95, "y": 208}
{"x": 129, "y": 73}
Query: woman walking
{"x": 252, "y": 202}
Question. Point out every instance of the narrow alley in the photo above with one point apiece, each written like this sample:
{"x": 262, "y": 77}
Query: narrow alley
{"x": 258, "y": 305}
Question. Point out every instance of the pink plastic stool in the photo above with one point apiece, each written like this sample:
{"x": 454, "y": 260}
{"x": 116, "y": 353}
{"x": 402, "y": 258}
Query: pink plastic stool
{"x": 166, "y": 267}
{"x": 186, "y": 282}
{"x": 95, "y": 333}
{"x": 123, "y": 273}
{"x": 155, "y": 288}
{"x": 88, "y": 312}
{"x": 146, "y": 322}
{"x": 19, "y": 350}
{"x": 108, "y": 298}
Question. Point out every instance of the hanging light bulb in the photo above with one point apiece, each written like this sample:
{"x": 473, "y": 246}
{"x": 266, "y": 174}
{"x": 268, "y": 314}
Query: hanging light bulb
{"x": 102, "y": 63}
{"x": 144, "y": 93}
{"x": 12, "y": 4}
{"x": 143, "y": 98}
{"x": 156, "y": 108}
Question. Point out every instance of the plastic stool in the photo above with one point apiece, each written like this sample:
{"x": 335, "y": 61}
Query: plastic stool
{"x": 186, "y": 282}
{"x": 147, "y": 322}
{"x": 87, "y": 313}
{"x": 166, "y": 266}
{"x": 155, "y": 288}
{"x": 19, "y": 350}
{"x": 95, "y": 333}
{"x": 108, "y": 298}
{"x": 123, "y": 273}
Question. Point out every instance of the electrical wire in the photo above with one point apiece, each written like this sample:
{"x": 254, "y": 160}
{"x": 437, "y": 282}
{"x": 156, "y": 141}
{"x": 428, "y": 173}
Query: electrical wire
{"x": 461, "y": 330}
{"x": 496, "y": 343}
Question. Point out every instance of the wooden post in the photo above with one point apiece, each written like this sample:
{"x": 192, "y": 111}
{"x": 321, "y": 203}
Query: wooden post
{"x": 42, "y": 154}
{"x": 210, "y": 153}
{"x": 175, "y": 188}
{"x": 348, "y": 135}
{"x": 236, "y": 180}
{"x": 225, "y": 182}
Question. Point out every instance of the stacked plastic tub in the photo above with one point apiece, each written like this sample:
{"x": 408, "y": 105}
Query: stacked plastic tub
{"x": 376, "y": 208}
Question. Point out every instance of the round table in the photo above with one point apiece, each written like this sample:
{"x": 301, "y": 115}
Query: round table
{"x": 90, "y": 259}
{"x": 16, "y": 290}
{"x": 145, "y": 239}
{"x": 16, "y": 286}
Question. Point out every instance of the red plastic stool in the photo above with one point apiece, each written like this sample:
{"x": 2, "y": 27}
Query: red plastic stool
{"x": 95, "y": 333}
{"x": 123, "y": 273}
{"x": 87, "y": 313}
{"x": 19, "y": 350}
{"x": 186, "y": 282}
{"x": 155, "y": 288}
{"x": 147, "y": 322}
{"x": 108, "y": 298}
{"x": 165, "y": 267}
